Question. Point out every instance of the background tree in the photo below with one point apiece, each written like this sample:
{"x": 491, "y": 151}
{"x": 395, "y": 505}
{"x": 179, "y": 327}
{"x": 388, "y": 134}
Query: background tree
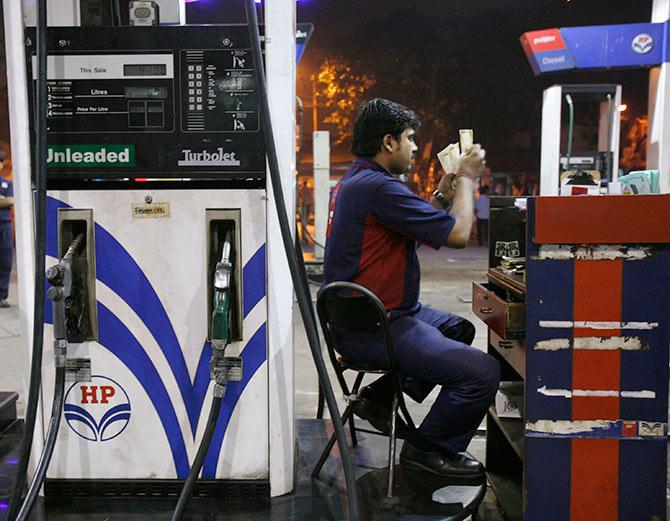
{"x": 343, "y": 90}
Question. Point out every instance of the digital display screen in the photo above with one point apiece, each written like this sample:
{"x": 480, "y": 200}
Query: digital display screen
{"x": 144, "y": 69}
{"x": 145, "y": 92}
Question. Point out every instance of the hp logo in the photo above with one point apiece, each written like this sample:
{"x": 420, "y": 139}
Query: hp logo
{"x": 642, "y": 43}
{"x": 98, "y": 410}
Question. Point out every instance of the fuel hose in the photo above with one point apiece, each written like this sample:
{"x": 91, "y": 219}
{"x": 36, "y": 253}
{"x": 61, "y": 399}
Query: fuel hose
{"x": 299, "y": 279}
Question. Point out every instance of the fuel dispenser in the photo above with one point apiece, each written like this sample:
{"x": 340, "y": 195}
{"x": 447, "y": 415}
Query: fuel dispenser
{"x": 593, "y": 109}
{"x": 157, "y": 146}
{"x": 157, "y": 167}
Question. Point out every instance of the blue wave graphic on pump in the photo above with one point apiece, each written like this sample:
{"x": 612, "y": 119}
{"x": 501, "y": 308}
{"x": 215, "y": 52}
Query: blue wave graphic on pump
{"x": 115, "y": 414}
{"x": 118, "y": 270}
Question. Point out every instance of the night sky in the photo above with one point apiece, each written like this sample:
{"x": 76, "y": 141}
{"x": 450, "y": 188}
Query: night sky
{"x": 463, "y": 53}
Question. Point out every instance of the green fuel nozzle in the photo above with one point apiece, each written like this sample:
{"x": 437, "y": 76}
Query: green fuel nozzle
{"x": 220, "y": 331}
{"x": 223, "y": 369}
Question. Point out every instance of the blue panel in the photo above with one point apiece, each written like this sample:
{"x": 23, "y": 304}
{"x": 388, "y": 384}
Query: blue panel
{"x": 642, "y": 475}
{"x": 549, "y": 296}
{"x": 547, "y": 479}
{"x": 644, "y": 301}
{"x": 588, "y": 45}
{"x": 634, "y": 45}
{"x": 625, "y": 45}
{"x": 553, "y": 61}
{"x": 254, "y": 280}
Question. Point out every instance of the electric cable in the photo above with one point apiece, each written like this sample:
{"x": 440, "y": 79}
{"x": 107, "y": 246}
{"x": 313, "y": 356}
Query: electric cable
{"x": 199, "y": 460}
{"x": 40, "y": 162}
{"x": 301, "y": 287}
{"x": 609, "y": 165}
{"x": 309, "y": 235}
{"x": 571, "y": 126}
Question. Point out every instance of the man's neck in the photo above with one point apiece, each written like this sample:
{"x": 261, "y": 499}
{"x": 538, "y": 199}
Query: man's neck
{"x": 382, "y": 161}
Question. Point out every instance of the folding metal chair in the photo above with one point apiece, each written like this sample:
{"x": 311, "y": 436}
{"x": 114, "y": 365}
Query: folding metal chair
{"x": 351, "y": 308}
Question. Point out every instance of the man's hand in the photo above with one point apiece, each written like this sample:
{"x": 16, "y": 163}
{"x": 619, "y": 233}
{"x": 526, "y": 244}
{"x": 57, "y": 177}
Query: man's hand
{"x": 472, "y": 162}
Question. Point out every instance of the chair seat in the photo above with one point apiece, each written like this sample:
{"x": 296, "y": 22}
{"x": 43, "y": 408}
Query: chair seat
{"x": 348, "y": 363}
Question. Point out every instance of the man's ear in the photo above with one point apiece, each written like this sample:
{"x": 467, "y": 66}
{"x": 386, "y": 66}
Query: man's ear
{"x": 388, "y": 143}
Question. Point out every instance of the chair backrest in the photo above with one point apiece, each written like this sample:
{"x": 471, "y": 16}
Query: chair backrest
{"x": 352, "y": 308}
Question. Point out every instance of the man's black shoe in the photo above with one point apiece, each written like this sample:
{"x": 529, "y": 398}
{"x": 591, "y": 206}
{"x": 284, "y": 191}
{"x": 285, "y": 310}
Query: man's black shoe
{"x": 457, "y": 468}
{"x": 378, "y": 413}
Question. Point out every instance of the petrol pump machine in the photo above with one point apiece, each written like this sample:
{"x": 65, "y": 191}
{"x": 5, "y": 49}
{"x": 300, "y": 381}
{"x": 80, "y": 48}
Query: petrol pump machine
{"x": 156, "y": 158}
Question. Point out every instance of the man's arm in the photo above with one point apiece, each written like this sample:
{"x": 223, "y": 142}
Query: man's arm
{"x": 462, "y": 210}
{"x": 6, "y": 202}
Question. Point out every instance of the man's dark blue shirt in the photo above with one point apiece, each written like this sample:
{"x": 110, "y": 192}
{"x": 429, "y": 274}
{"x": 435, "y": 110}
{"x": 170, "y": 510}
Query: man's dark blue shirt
{"x": 374, "y": 224}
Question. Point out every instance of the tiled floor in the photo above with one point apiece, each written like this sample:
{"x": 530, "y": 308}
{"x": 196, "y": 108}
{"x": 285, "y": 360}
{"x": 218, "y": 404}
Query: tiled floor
{"x": 323, "y": 498}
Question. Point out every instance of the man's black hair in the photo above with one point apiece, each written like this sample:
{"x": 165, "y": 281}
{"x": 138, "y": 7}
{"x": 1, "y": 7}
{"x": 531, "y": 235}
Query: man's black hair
{"x": 375, "y": 119}
{"x": 484, "y": 190}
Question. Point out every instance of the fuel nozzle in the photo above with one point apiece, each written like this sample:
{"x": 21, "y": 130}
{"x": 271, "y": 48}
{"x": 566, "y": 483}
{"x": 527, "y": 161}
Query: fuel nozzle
{"x": 223, "y": 369}
{"x": 60, "y": 277}
{"x": 220, "y": 333}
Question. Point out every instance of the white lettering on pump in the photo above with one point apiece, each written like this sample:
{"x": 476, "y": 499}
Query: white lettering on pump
{"x": 205, "y": 158}
{"x": 102, "y": 156}
{"x": 552, "y": 61}
{"x": 543, "y": 39}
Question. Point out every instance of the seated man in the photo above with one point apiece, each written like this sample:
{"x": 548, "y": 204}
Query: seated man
{"x": 375, "y": 226}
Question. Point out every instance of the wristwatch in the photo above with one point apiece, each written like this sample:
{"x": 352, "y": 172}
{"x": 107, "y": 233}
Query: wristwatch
{"x": 442, "y": 199}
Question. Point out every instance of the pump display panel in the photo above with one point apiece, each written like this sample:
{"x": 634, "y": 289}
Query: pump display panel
{"x": 156, "y": 102}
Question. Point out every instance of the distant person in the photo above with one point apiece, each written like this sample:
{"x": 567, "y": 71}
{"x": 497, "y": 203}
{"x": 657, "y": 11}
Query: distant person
{"x": 518, "y": 188}
{"x": 482, "y": 205}
{"x": 6, "y": 235}
{"x": 305, "y": 202}
{"x": 374, "y": 229}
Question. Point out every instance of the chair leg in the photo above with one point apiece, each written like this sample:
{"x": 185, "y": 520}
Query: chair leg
{"x": 352, "y": 430}
{"x": 329, "y": 446}
{"x": 320, "y": 406}
{"x": 392, "y": 438}
{"x": 352, "y": 425}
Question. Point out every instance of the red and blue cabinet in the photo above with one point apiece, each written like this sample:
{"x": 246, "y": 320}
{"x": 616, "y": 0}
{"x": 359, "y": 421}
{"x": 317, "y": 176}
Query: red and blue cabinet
{"x": 597, "y": 341}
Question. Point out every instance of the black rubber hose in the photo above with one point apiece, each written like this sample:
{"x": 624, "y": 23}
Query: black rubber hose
{"x": 199, "y": 460}
{"x": 301, "y": 288}
{"x": 50, "y": 443}
{"x": 40, "y": 162}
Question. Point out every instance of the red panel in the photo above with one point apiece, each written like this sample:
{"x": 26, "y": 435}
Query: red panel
{"x": 594, "y": 494}
{"x": 543, "y": 40}
{"x": 596, "y": 370}
{"x": 612, "y": 219}
{"x": 595, "y": 408}
{"x": 597, "y": 298}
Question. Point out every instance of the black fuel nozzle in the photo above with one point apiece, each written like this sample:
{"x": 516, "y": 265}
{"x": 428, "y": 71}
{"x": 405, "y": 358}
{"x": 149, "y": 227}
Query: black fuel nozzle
{"x": 60, "y": 276}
